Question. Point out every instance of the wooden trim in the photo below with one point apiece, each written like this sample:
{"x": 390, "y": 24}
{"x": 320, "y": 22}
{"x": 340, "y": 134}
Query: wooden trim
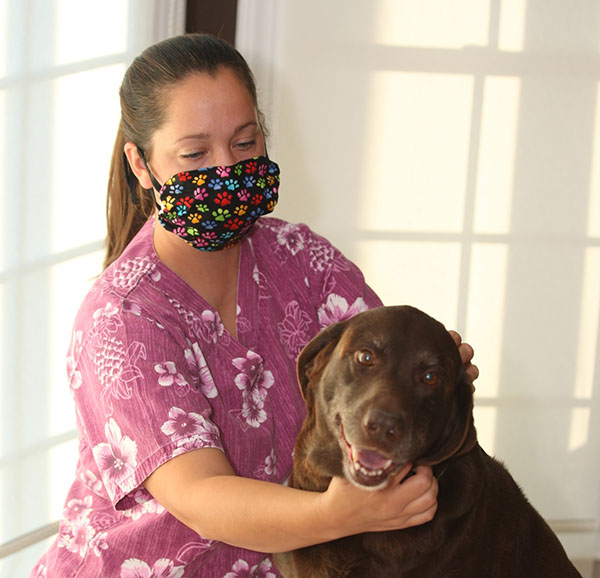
{"x": 216, "y": 17}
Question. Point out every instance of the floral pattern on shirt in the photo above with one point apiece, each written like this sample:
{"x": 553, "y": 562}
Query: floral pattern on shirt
{"x": 241, "y": 569}
{"x": 155, "y": 374}
{"x": 163, "y": 568}
{"x": 253, "y": 381}
{"x": 294, "y": 329}
{"x": 116, "y": 457}
{"x": 189, "y": 430}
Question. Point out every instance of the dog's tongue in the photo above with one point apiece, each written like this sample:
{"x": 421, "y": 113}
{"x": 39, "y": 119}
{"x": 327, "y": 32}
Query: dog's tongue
{"x": 372, "y": 460}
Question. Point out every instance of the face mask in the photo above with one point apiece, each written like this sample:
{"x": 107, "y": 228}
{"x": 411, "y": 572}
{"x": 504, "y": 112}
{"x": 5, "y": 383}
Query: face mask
{"x": 214, "y": 208}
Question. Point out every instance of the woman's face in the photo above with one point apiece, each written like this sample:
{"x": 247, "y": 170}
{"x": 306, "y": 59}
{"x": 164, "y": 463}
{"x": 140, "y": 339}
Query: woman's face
{"x": 210, "y": 121}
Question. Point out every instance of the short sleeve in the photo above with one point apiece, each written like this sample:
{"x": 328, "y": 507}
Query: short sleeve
{"x": 142, "y": 394}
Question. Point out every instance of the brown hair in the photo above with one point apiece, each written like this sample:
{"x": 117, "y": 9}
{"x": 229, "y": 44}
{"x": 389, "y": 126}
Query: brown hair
{"x": 144, "y": 96}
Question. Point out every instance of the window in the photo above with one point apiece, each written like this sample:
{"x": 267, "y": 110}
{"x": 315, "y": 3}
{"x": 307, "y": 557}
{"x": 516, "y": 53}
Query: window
{"x": 61, "y": 63}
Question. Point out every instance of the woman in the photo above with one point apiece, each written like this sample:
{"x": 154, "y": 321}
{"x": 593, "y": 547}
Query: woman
{"x": 182, "y": 362}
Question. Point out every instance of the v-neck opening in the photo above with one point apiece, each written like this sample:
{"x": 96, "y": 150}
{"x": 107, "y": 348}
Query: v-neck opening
{"x": 246, "y": 298}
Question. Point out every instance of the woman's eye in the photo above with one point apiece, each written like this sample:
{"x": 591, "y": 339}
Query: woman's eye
{"x": 194, "y": 155}
{"x": 246, "y": 145}
{"x": 431, "y": 378}
{"x": 365, "y": 357}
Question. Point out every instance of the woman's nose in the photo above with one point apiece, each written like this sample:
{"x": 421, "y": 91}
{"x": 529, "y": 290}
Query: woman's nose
{"x": 223, "y": 157}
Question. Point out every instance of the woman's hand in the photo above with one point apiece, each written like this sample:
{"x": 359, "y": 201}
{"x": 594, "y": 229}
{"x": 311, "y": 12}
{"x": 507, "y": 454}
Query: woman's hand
{"x": 402, "y": 504}
{"x": 466, "y": 354}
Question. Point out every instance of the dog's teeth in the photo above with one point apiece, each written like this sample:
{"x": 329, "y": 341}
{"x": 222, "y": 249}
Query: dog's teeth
{"x": 386, "y": 465}
{"x": 355, "y": 455}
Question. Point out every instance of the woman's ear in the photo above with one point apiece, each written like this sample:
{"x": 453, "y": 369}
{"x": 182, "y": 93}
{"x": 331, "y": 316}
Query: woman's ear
{"x": 137, "y": 165}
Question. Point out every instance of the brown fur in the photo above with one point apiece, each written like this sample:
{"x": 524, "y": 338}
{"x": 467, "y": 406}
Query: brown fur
{"x": 391, "y": 403}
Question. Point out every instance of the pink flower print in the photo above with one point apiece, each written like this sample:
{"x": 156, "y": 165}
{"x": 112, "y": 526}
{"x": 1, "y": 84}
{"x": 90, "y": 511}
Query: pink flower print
{"x": 197, "y": 363}
{"x": 249, "y": 365}
{"x": 76, "y": 536}
{"x": 271, "y": 464}
{"x": 336, "y": 309}
{"x": 144, "y": 504}
{"x": 262, "y": 570}
{"x": 253, "y": 382}
{"x": 293, "y": 330}
{"x": 98, "y": 543}
{"x": 116, "y": 458}
{"x": 241, "y": 569}
{"x": 268, "y": 469}
{"x": 163, "y": 568}
{"x": 190, "y": 428}
{"x": 253, "y": 412}
{"x": 168, "y": 376}
{"x": 290, "y": 238}
{"x": 78, "y": 508}
{"x": 92, "y": 482}
{"x": 212, "y": 327}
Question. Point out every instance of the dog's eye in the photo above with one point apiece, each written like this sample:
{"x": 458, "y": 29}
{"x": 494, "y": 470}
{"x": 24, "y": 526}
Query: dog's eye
{"x": 364, "y": 357}
{"x": 431, "y": 378}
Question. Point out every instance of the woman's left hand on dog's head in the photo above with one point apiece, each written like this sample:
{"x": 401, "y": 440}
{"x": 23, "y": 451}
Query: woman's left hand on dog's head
{"x": 466, "y": 354}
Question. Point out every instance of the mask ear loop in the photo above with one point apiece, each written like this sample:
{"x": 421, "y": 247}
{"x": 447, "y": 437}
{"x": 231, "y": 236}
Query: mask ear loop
{"x": 131, "y": 181}
{"x": 157, "y": 186}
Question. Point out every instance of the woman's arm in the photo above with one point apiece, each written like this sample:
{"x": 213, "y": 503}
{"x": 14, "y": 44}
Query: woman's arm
{"x": 201, "y": 490}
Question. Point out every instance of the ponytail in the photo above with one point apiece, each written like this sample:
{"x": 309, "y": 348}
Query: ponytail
{"x": 128, "y": 206}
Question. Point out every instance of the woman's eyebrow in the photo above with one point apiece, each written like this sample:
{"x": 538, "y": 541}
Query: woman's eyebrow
{"x": 245, "y": 126}
{"x": 205, "y": 136}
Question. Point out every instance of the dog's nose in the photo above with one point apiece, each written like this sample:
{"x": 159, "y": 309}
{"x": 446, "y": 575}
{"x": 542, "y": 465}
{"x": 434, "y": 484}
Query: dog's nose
{"x": 381, "y": 426}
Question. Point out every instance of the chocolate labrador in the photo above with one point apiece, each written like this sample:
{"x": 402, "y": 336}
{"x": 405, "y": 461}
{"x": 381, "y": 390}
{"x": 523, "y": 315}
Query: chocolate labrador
{"x": 388, "y": 387}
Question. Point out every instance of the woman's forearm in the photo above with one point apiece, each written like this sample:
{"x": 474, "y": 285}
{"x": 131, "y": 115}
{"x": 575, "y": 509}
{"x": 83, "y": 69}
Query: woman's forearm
{"x": 201, "y": 490}
{"x": 257, "y": 515}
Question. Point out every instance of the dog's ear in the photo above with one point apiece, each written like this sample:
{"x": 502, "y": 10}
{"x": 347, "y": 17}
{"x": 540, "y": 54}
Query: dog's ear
{"x": 316, "y": 353}
{"x": 459, "y": 435}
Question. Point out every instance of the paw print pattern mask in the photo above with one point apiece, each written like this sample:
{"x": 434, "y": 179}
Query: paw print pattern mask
{"x": 214, "y": 208}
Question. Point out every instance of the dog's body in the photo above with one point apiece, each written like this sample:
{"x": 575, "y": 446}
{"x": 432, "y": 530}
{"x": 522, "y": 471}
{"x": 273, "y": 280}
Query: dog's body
{"x": 388, "y": 387}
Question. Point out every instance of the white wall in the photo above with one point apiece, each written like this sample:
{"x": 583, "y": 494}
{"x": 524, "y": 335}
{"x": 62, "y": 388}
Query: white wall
{"x": 452, "y": 149}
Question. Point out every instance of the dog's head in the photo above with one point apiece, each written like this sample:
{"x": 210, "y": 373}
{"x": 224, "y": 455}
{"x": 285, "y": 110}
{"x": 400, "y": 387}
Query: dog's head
{"x": 390, "y": 388}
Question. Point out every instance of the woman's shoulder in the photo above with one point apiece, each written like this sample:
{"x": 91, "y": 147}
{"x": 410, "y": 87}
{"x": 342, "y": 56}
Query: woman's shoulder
{"x": 293, "y": 236}
{"x": 121, "y": 280}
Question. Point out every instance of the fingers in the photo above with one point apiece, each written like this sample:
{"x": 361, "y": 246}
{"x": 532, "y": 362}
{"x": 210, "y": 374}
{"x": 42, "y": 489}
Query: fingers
{"x": 421, "y": 489}
{"x": 466, "y": 354}
{"x": 456, "y": 336}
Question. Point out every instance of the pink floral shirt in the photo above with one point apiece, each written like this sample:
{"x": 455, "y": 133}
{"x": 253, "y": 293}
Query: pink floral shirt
{"x": 154, "y": 374}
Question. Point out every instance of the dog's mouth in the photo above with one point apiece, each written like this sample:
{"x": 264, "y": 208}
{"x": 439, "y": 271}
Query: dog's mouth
{"x": 367, "y": 467}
